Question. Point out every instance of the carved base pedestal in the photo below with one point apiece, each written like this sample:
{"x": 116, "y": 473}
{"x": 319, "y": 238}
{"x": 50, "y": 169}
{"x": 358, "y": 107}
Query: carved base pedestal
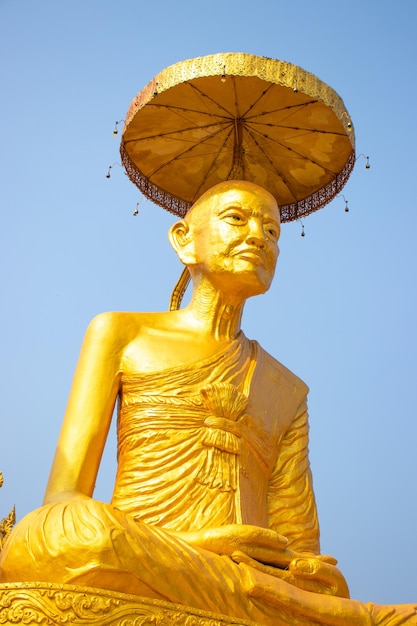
{"x": 47, "y": 604}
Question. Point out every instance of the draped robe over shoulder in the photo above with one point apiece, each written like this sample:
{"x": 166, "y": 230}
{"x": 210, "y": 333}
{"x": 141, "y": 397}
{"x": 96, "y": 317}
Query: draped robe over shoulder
{"x": 221, "y": 441}
{"x": 215, "y": 443}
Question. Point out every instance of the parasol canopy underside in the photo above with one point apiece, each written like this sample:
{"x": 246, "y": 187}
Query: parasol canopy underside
{"x": 285, "y": 131}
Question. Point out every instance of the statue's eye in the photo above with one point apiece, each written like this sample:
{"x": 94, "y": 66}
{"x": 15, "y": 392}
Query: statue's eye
{"x": 235, "y": 218}
{"x": 272, "y": 231}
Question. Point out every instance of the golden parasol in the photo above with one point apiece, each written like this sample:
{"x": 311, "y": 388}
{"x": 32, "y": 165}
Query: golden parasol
{"x": 238, "y": 116}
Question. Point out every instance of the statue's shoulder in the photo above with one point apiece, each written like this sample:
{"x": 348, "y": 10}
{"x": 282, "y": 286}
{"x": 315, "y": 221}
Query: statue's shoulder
{"x": 277, "y": 372}
{"x": 121, "y": 322}
{"x": 110, "y": 320}
{"x": 111, "y": 332}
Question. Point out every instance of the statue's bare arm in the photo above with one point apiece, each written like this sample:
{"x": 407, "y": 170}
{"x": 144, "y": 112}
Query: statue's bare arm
{"x": 89, "y": 412}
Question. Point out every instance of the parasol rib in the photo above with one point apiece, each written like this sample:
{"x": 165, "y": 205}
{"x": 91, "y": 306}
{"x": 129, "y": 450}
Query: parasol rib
{"x": 203, "y": 95}
{"x": 188, "y": 110}
{"x": 306, "y": 130}
{"x": 212, "y": 165}
{"x": 274, "y": 169}
{"x": 285, "y": 147}
{"x": 262, "y": 95}
{"x": 295, "y": 108}
{"x": 177, "y": 132}
{"x": 181, "y": 155}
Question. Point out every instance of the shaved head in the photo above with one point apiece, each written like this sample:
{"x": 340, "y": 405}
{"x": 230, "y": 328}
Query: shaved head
{"x": 225, "y": 187}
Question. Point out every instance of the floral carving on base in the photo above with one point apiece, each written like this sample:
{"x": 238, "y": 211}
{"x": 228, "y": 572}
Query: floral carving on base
{"x": 49, "y": 604}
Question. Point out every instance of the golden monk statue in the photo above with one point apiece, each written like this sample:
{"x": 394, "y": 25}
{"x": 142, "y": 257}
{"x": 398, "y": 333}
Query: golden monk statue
{"x": 213, "y": 505}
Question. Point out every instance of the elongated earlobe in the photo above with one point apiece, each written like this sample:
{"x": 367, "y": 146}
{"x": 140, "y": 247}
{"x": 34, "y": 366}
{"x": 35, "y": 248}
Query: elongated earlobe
{"x": 180, "y": 238}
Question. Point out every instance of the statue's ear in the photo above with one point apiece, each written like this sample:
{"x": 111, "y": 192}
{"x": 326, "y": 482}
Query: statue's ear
{"x": 183, "y": 243}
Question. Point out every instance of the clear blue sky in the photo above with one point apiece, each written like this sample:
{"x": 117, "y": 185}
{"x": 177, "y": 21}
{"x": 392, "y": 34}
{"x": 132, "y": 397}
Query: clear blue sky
{"x": 342, "y": 311}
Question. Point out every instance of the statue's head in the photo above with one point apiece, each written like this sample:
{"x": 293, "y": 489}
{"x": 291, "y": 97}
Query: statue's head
{"x": 230, "y": 237}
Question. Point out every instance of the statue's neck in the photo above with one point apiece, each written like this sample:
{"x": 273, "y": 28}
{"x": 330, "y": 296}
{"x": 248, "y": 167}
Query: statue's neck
{"x": 214, "y": 313}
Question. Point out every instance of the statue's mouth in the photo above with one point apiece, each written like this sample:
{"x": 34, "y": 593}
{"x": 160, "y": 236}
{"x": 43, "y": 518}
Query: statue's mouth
{"x": 255, "y": 256}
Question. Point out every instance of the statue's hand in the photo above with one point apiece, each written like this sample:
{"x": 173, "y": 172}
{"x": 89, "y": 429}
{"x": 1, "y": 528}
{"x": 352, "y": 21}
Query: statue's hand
{"x": 306, "y": 571}
{"x": 260, "y": 544}
{"x": 319, "y": 574}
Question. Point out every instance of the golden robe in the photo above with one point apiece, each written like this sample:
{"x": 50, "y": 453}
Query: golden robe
{"x": 222, "y": 441}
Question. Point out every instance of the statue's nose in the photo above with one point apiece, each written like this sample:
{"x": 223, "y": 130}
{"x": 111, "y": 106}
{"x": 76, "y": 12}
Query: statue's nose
{"x": 256, "y": 235}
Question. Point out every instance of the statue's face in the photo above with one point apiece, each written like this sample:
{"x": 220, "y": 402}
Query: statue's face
{"x": 235, "y": 233}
